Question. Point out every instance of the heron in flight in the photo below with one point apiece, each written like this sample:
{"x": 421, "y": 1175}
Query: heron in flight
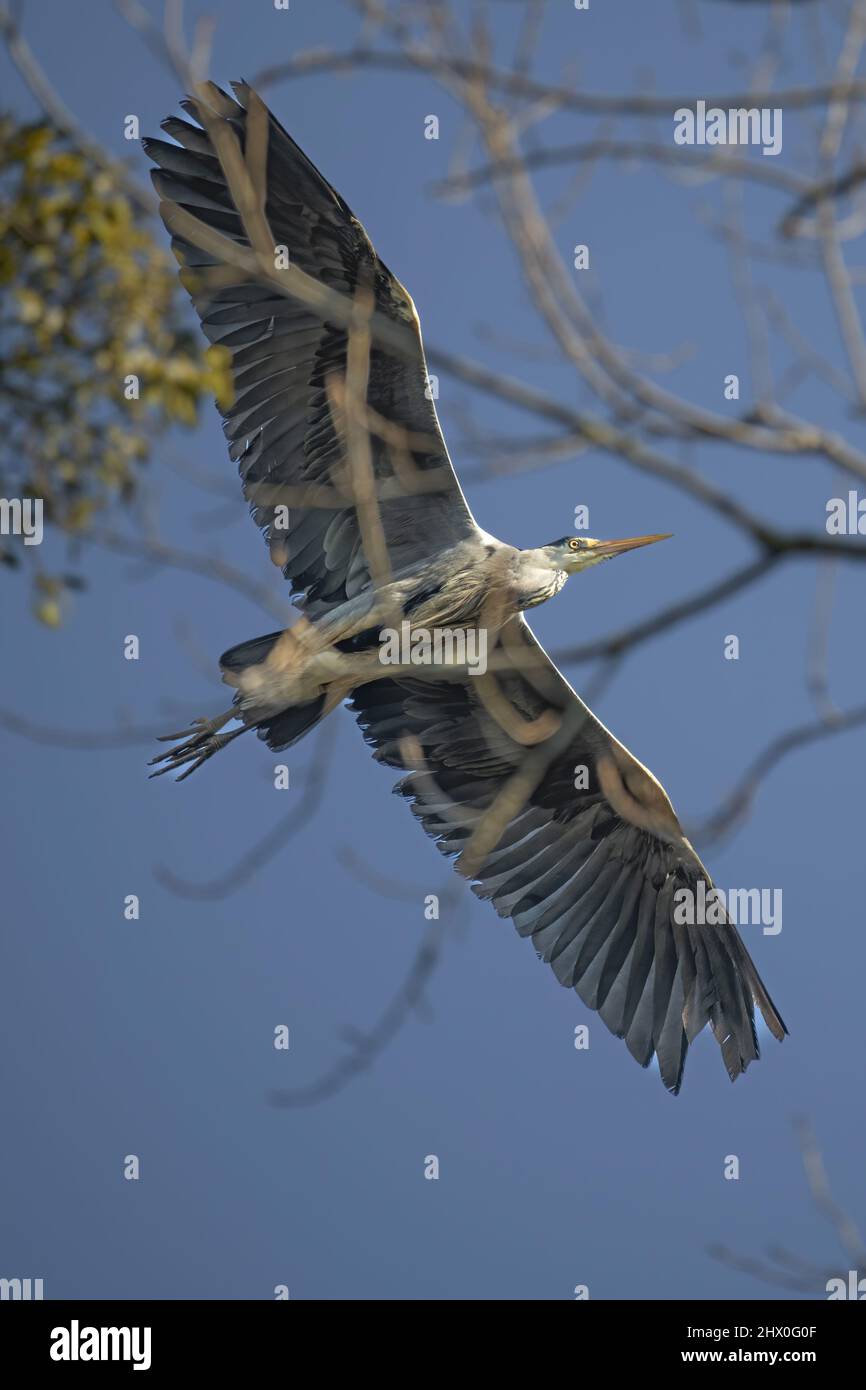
{"x": 546, "y": 813}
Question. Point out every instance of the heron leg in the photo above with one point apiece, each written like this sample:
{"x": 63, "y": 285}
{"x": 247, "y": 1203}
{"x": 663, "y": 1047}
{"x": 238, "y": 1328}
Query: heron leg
{"x": 200, "y": 741}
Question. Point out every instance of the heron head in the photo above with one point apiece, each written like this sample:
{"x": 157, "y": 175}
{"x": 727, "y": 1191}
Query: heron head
{"x": 576, "y": 553}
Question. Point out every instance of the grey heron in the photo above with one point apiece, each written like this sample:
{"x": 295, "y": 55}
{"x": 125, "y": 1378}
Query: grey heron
{"x": 591, "y": 866}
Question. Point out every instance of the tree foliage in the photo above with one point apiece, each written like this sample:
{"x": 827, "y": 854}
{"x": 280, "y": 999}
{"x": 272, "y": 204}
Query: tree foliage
{"x": 97, "y": 356}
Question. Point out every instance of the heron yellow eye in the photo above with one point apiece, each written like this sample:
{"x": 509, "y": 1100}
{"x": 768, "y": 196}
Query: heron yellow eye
{"x": 574, "y": 545}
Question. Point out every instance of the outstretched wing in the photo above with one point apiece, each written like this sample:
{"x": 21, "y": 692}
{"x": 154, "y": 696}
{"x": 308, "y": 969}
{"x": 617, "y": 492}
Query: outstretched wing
{"x": 281, "y": 428}
{"x": 589, "y": 872}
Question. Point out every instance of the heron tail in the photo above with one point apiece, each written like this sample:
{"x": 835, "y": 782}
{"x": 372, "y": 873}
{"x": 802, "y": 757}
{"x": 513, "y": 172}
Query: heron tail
{"x": 283, "y": 729}
{"x": 279, "y": 728}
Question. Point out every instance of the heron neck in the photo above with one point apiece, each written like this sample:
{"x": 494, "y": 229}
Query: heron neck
{"x": 537, "y": 580}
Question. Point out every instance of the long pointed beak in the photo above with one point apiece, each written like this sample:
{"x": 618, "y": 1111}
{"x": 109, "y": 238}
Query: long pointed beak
{"x": 606, "y": 549}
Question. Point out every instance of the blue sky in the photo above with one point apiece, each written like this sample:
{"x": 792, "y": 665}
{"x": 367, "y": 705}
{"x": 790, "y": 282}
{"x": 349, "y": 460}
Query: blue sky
{"x": 154, "y": 1038}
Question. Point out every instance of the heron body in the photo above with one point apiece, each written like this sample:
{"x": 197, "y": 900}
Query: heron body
{"x": 543, "y": 810}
